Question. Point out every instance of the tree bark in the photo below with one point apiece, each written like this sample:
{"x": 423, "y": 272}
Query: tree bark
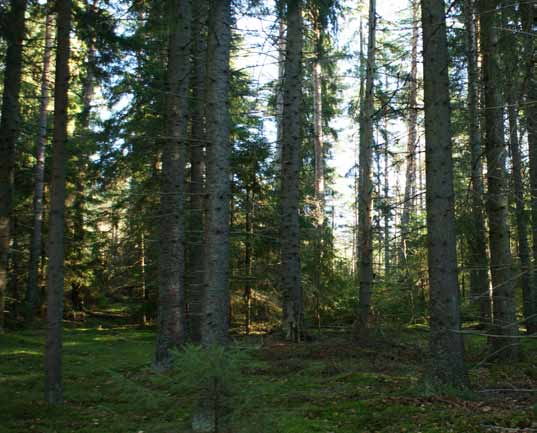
{"x": 528, "y": 23}
{"x": 55, "y": 271}
{"x": 197, "y": 171}
{"x": 386, "y": 199}
{"x": 293, "y": 302}
{"x": 215, "y": 324}
{"x": 171, "y": 313}
{"x": 32, "y": 293}
{"x": 410, "y": 177}
{"x": 504, "y": 309}
{"x": 9, "y": 131}
{"x": 477, "y": 258}
{"x": 447, "y": 349}
{"x": 279, "y": 89}
{"x": 319, "y": 212}
{"x": 520, "y": 212}
{"x": 365, "y": 188}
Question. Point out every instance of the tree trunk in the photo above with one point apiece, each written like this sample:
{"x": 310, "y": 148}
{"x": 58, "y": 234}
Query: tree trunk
{"x": 521, "y": 221}
{"x": 249, "y": 249}
{"x": 215, "y": 324}
{"x": 279, "y": 89}
{"x": 55, "y": 271}
{"x": 410, "y": 178}
{"x": 32, "y": 294}
{"x": 477, "y": 259}
{"x": 171, "y": 314}
{"x": 293, "y": 302}
{"x": 504, "y": 310}
{"x": 528, "y": 24}
{"x": 365, "y": 188}
{"x": 9, "y": 132}
{"x": 319, "y": 212}
{"x": 81, "y": 157}
{"x": 197, "y": 171}
{"x": 386, "y": 200}
{"x": 447, "y": 349}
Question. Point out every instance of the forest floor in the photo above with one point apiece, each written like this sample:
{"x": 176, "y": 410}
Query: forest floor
{"x": 329, "y": 385}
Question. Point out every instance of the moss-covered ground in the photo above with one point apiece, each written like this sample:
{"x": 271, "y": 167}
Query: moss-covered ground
{"x": 328, "y": 385}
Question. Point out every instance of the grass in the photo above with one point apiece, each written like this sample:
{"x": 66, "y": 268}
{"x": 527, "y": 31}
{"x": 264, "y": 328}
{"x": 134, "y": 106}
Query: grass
{"x": 329, "y": 385}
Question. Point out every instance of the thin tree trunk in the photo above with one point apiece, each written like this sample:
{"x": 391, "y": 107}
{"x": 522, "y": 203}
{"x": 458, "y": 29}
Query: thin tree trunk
{"x": 249, "y": 249}
{"x": 32, "y": 294}
{"x": 478, "y": 261}
{"x": 9, "y": 132}
{"x": 82, "y": 156}
{"x": 319, "y": 215}
{"x": 55, "y": 271}
{"x": 293, "y": 302}
{"x": 356, "y": 240}
{"x": 386, "y": 201}
{"x": 171, "y": 313}
{"x": 143, "y": 284}
{"x": 197, "y": 171}
{"x": 528, "y": 24}
{"x": 215, "y": 324}
{"x": 410, "y": 178}
{"x": 521, "y": 221}
{"x": 504, "y": 310}
{"x": 365, "y": 233}
{"x": 282, "y": 30}
{"x": 447, "y": 349}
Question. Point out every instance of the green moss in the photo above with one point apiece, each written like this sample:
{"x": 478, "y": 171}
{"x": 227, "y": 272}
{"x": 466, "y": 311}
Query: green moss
{"x": 329, "y": 386}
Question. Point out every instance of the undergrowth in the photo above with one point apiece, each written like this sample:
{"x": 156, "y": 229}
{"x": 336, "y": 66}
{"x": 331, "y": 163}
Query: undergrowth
{"x": 328, "y": 385}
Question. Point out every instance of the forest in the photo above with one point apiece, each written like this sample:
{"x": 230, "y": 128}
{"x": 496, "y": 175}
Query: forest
{"x": 268, "y": 216}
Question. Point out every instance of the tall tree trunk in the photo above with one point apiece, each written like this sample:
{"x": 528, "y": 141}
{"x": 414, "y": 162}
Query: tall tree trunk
{"x": 478, "y": 261}
{"x": 215, "y": 324}
{"x": 55, "y": 271}
{"x": 528, "y": 24}
{"x": 32, "y": 294}
{"x": 410, "y": 178}
{"x": 293, "y": 302}
{"x": 279, "y": 89}
{"x": 356, "y": 240}
{"x": 521, "y": 221}
{"x": 9, "y": 131}
{"x": 82, "y": 154}
{"x": 249, "y": 248}
{"x": 319, "y": 215}
{"x": 171, "y": 314}
{"x": 447, "y": 349}
{"x": 504, "y": 311}
{"x": 197, "y": 171}
{"x": 365, "y": 233}
{"x": 386, "y": 200}
{"x": 143, "y": 284}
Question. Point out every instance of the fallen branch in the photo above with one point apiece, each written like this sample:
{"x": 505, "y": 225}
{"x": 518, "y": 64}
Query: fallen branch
{"x": 102, "y": 315}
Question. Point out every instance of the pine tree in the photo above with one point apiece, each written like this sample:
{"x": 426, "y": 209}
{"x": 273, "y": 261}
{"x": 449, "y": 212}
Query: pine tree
{"x": 293, "y": 298}
{"x": 32, "y": 293}
{"x": 365, "y": 188}
{"x": 55, "y": 270}
{"x": 171, "y": 314}
{"x": 504, "y": 311}
{"x": 447, "y": 349}
{"x": 478, "y": 262}
{"x": 9, "y": 131}
{"x": 215, "y": 317}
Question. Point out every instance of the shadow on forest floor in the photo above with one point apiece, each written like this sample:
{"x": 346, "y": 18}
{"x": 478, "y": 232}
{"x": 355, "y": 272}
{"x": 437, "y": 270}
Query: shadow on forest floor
{"x": 330, "y": 385}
